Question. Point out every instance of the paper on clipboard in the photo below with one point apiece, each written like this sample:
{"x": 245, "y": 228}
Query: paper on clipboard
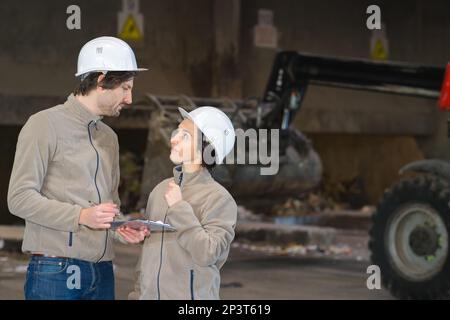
{"x": 153, "y": 226}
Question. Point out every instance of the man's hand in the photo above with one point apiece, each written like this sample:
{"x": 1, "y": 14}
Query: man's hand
{"x": 100, "y": 216}
{"x": 133, "y": 236}
{"x": 173, "y": 193}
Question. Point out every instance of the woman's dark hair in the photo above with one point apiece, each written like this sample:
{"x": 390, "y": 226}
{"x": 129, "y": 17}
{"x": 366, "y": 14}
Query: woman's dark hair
{"x": 207, "y": 147}
{"x": 112, "y": 80}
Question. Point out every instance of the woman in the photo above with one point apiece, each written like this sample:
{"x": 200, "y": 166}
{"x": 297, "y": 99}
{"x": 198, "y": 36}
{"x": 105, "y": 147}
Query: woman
{"x": 185, "y": 264}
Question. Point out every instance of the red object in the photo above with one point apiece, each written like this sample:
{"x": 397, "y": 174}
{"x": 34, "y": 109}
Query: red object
{"x": 444, "y": 100}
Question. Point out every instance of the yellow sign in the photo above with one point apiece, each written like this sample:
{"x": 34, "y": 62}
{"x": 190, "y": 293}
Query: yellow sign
{"x": 130, "y": 30}
{"x": 378, "y": 51}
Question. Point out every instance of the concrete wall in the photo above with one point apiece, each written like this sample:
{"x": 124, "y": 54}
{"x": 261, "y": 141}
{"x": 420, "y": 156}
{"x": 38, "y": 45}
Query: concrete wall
{"x": 186, "y": 41}
{"x": 39, "y": 54}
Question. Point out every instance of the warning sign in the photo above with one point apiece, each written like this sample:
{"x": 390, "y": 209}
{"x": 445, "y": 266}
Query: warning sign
{"x": 379, "y": 45}
{"x": 131, "y": 21}
{"x": 379, "y": 52}
{"x": 130, "y": 30}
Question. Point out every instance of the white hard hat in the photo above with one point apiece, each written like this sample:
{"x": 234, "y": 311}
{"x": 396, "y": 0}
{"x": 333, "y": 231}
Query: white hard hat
{"x": 217, "y": 128}
{"x": 106, "y": 54}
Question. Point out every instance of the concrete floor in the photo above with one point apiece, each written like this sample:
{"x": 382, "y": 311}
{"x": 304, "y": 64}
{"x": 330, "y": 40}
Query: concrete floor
{"x": 246, "y": 275}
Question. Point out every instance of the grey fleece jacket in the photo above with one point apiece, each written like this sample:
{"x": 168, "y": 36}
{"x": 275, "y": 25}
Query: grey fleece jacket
{"x": 193, "y": 255}
{"x": 66, "y": 159}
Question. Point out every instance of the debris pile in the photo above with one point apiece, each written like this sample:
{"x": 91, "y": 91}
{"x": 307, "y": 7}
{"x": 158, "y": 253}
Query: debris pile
{"x": 298, "y": 250}
{"x": 243, "y": 214}
{"x": 312, "y": 204}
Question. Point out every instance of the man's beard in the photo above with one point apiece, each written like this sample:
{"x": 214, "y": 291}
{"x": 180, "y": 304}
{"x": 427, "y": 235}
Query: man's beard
{"x": 109, "y": 110}
{"x": 115, "y": 111}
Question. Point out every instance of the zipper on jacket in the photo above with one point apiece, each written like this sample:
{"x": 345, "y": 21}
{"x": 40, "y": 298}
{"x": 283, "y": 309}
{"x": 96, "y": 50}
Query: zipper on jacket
{"x": 192, "y": 284}
{"x": 95, "y": 180}
{"x": 160, "y": 259}
{"x": 70, "y": 238}
{"x": 161, "y": 250}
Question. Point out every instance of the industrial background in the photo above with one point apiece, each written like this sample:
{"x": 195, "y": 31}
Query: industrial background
{"x": 225, "y": 49}
{"x": 206, "y": 48}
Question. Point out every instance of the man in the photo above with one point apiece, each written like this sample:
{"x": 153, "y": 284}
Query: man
{"x": 65, "y": 179}
{"x": 186, "y": 264}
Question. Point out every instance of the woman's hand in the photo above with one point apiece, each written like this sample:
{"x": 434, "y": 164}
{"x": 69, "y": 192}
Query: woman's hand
{"x": 133, "y": 236}
{"x": 173, "y": 194}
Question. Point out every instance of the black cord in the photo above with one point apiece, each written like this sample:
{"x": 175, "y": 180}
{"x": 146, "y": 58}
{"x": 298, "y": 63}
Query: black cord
{"x": 106, "y": 245}
{"x": 95, "y": 183}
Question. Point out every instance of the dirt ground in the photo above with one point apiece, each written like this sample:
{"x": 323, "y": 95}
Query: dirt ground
{"x": 248, "y": 274}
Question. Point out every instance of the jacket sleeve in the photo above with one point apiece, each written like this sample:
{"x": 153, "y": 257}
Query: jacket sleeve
{"x": 116, "y": 173}
{"x": 208, "y": 239}
{"x": 114, "y": 234}
{"x": 35, "y": 148}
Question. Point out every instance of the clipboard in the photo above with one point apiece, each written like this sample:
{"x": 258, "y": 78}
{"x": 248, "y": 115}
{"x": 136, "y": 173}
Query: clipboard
{"x": 153, "y": 226}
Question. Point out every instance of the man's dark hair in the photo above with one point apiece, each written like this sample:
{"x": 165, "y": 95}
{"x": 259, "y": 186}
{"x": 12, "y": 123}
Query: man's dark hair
{"x": 112, "y": 80}
{"x": 207, "y": 144}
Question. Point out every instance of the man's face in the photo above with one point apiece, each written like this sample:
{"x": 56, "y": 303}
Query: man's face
{"x": 111, "y": 101}
{"x": 185, "y": 144}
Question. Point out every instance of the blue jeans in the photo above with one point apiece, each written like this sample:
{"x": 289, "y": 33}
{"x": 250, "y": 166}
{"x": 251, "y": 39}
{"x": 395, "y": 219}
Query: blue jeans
{"x": 68, "y": 279}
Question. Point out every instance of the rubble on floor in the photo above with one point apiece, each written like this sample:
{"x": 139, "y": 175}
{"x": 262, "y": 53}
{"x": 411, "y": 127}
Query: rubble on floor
{"x": 296, "y": 250}
{"x": 244, "y": 214}
{"x": 13, "y": 263}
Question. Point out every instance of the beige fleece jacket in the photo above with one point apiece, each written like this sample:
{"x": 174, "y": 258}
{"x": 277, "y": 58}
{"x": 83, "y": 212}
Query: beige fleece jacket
{"x": 193, "y": 255}
{"x": 65, "y": 158}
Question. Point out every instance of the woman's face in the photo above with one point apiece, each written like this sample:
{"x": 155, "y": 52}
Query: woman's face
{"x": 185, "y": 144}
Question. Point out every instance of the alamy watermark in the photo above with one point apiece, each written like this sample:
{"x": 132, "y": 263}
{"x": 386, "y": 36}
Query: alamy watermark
{"x": 252, "y": 147}
{"x": 374, "y": 20}
{"x": 74, "y": 280}
{"x": 374, "y": 280}
{"x": 73, "y": 22}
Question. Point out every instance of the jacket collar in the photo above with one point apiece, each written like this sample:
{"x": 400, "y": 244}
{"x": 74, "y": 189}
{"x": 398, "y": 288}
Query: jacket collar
{"x": 188, "y": 178}
{"x": 80, "y": 110}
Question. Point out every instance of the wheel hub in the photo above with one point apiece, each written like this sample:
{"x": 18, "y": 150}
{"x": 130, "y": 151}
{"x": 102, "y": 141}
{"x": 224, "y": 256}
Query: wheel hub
{"x": 424, "y": 240}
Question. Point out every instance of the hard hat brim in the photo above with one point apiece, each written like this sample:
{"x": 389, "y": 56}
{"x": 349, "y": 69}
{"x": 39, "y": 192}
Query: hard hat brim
{"x": 96, "y": 70}
{"x": 185, "y": 114}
